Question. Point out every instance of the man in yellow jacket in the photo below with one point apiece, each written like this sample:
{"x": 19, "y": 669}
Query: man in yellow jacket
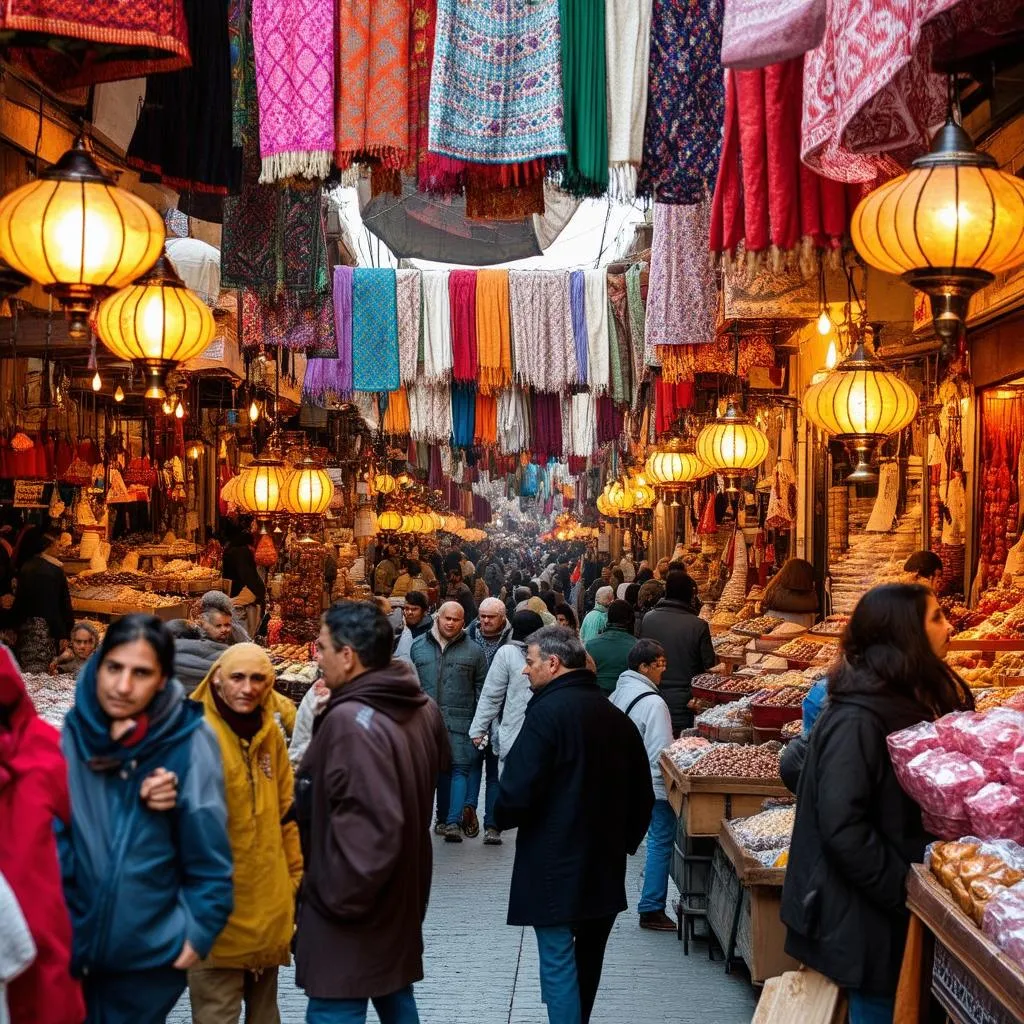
{"x": 238, "y": 697}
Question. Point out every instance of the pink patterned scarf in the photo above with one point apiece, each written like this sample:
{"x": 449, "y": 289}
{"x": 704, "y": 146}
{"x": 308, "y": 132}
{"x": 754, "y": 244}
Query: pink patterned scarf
{"x": 293, "y": 43}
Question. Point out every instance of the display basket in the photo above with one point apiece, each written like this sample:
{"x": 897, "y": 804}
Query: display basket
{"x": 772, "y": 717}
{"x": 293, "y": 689}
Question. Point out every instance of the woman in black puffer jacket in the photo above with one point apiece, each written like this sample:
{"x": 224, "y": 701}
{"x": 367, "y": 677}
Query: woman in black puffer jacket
{"x": 856, "y": 831}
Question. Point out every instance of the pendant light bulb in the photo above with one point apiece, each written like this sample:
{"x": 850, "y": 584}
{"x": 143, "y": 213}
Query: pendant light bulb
{"x": 119, "y": 394}
{"x": 179, "y": 413}
{"x": 824, "y": 323}
{"x": 96, "y": 382}
{"x": 254, "y": 412}
{"x": 167, "y": 407}
{"x": 831, "y": 357}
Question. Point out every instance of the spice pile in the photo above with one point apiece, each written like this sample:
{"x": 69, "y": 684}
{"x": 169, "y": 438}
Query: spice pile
{"x": 687, "y": 750}
{"x": 761, "y": 626}
{"x": 742, "y": 762}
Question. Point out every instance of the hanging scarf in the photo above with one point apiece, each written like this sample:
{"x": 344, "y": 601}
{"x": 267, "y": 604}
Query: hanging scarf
{"x": 547, "y": 426}
{"x": 513, "y": 421}
{"x": 493, "y": 330}
{"x": 598, "y": 362}
{"x": 609, "y": 421}
{"x": 299, "y": 323}
{"x": 462, "y": 296}
{"x": 578, "y": 305}
{"x": 628, "y": 34}
{"x": 395, "y": 421}
{"x": 585, "y": 99}
{"x": 685, "y": 103}
{"x": 430, "y": 413}
{"x": 485, "y": 428}
{"x": 437, "y": 327}
{"x": 636, "y": 304}
{"x": 463, "y": 415}
{"x": 409, "y": 310}
{"x": 683, "y": 362}
{"x": 582, "y": 411}
{"x": 542, "y": 338}
{"x": 682, "y": 299}
{"x": 343, "y": 325}
{"x": 374, "y": 330}
{"x": 322, "y": 383}
{"x": 496, "y": 84}
{"x": 372, "y": 82}
{"x": 618, "y": 340}
{"x": 669, "y": 399}
{"x": 294, "y": 49}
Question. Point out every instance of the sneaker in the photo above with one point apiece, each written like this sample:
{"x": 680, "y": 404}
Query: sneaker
{"x": 452, "y": 834}
{"x": 657, "y": 921}
{"x": 492, "y": 837}
{"x": 440, "y": 828}
{"x": 470, "y": 823}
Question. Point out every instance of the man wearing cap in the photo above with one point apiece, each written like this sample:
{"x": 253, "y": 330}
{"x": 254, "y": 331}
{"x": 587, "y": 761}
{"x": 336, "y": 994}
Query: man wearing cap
{"x": 237, "y": 697}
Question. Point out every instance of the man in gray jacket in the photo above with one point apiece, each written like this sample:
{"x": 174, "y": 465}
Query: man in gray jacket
{"x": 637, "y": 695}
{"x": 198, "y": 645}
{"x": 452, "y": 670}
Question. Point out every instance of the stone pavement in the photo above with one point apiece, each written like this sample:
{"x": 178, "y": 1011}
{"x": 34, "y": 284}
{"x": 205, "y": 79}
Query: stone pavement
{"x": 480, "y": 971}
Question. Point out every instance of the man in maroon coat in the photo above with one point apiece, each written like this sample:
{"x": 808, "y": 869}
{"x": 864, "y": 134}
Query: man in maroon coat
{"x": 364, "y": 798}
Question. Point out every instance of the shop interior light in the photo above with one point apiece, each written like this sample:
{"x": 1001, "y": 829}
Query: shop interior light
{"x": 824, "y": 323}
{"x": 97, "y": 382}
{"x": 732, "y": 445}
{"x": 79, "y": 235}
{"x": 860, "y": 403}
{"x": 389, "y": 521}
{"x": 675, "y": 464}
{"x": 195, "y": 449}
{"x": 156, "y": 323}
{"x": 308, "y": 489}
{"x": 831, "y": 356}
{"x": 947, "y": 227}
{"x": 167, "y": 409}
{"x": 254, "y": 412}
{"x": 384, "y": 483}
{"x": 179, "y": 412}
{"x": 119, "y": 394}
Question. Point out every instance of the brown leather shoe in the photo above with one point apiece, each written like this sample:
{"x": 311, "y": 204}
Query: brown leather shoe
{"x": 657, "y": 921}
{"x": 470, "y": 823}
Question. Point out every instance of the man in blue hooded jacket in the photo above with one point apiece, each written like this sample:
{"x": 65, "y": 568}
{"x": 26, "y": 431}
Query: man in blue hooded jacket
{"x": 148, "y": 890}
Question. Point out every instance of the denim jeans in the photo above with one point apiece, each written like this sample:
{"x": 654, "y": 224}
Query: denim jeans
{"x": 571, "y": 958}
{"x": 451, "y": 793}
{"x": 490, "y": 759}
{"x": 397, "y": 1008}
{"x": 865, "y": 1009}
{"x": 660, "y": 836}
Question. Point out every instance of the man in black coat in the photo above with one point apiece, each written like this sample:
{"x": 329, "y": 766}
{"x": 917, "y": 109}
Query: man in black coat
{"x": 577, "y": 784}
{"x": 673, "y": 623}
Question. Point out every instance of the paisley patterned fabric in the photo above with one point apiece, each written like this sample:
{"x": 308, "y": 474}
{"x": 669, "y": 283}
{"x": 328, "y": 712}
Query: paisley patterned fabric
{"x": 685, "y": 102}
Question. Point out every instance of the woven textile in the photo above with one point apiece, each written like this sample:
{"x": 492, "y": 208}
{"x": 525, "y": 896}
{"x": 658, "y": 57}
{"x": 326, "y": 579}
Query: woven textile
{"x": 619, "y": 341}
{"x": 610, "y": 421}
{"x": 184, "y": 130}
{"x": 496, "y": 83}
{"x": 628, "y": 46}
{"x": 585, "y": 98}
{"x": 493, "y": 330}
{"x": 410, "y": 304}
{"x": 299, "y": 323}
{"x": 547, "y": 427}
{"x": 682, "y": 298}
{"x": 487, "y": 201}
{"x": 396, "y": 416}
{"x": 596, "y": 296}
{"x": 371, "y": 106}
{"x": 321, "y": 384}
{"x": 681, "y": 363}
{"x": 374, "y": 330}
{"x": 578, "y": 304}
{"x": 430, "y": 413}
{"x": 635, "y": 304}
{"x": 69, "y": 44}
{"x": 685, "y": 102}
{"x": 437, "y": 327}
{"x": 513, "y": 421}
{"x": 463, "y": 415}
{"x": 343, "y": 325}
{"x": 462, "y": 296}
{"x": 542, "y": 338}
{"x": 582, "y": 416}
{"x": 293, "y": 42}
{"x": 485, "y": 422}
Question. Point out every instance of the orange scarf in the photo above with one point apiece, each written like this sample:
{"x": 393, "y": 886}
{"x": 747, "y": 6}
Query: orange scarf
{"x": 396, "y": 416}
{"x": 493, "y": 331}
{"x": 485, "y": 428}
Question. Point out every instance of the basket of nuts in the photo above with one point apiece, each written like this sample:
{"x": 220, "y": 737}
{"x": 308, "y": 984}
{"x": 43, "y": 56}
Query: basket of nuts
{"x": 773, "y": 710}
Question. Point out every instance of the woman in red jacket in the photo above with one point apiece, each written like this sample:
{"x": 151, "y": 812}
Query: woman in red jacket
{"x": 34, "y": 792}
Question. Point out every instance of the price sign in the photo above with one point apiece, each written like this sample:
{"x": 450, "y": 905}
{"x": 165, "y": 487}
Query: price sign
{"x": 29, "y": 493}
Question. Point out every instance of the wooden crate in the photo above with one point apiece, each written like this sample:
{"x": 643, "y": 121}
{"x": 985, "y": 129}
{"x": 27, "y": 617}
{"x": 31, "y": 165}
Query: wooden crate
{"x": 117, "y": 611}
{"x": 673, "y": 784}
{"x": 802, "y": 995}
{"x": 707, "y": 801}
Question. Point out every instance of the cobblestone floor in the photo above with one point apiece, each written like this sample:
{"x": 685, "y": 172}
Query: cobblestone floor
{"x": 480, "y": 971}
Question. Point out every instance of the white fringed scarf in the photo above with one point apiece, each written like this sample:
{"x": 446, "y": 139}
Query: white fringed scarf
{"x": 627, "y": 49}
{"x": 598, "y": 360}
{"x": 410, "y": 302}
{"x": 437, "y": 328}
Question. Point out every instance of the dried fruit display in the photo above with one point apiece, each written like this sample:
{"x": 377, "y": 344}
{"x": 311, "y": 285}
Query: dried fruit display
{"x": 974, "y": 873}
{"x": 787, "y": 697}
{"x": 770, "y": 829}
{"x": 741, "y": 762}
{"x": 807, "y": 649}
{"x": 761, "y": 626}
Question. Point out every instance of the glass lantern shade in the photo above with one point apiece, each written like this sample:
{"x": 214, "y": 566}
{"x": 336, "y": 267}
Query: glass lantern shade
{"x": 79, "y": 235}
{"x": 384, "y": 483}
{"x": 674, "y": 465}
{"x": 732, "y": 444}
{"x": 229, "y": 492}
{"x": 389, "y": 522}
{"x": 308, "y": 489}
{"x": 605, "y": 507}
{"x": 261, "y": 485}
{"x": 155, "y": 323}
{"x": 947, "y": 227}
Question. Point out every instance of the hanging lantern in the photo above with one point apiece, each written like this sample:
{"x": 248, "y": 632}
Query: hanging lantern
{"x": 673, "y": 465}
{"x": 195, "y": 449}
{"x": 308, "y": 489}
{"x": 605, "y": 507}
{"x": 947, "y": 227}
{"x": 643, "y": 494}
{"x": 452, "y": 524}
{"x": 384, "y": 483}
{"x": 436, "y": 521}
{"x": 390, "y": 521}
{"x": 266, "y": 552}
{"x": 156, "y": 323}
{"x": 260, "y": 486}
{"x": 860, "y": 403}
{"x": 229, "y": 492}
{"x": 732, "y": 445}
{"x": 365, "y": 523}
{"x": 79, "y": 235}
{"x": 413, "y": 523}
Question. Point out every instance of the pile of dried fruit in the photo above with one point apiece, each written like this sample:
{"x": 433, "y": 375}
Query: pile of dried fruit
{"x": 741, "y": 762}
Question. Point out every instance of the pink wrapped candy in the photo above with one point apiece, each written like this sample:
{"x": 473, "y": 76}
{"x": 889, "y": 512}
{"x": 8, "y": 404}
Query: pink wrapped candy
{"x": 996, "y": 812}
{"x": 1003, "y": 922}
{"x": 908, "y": 743}
{"x": 941, "y": 781}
